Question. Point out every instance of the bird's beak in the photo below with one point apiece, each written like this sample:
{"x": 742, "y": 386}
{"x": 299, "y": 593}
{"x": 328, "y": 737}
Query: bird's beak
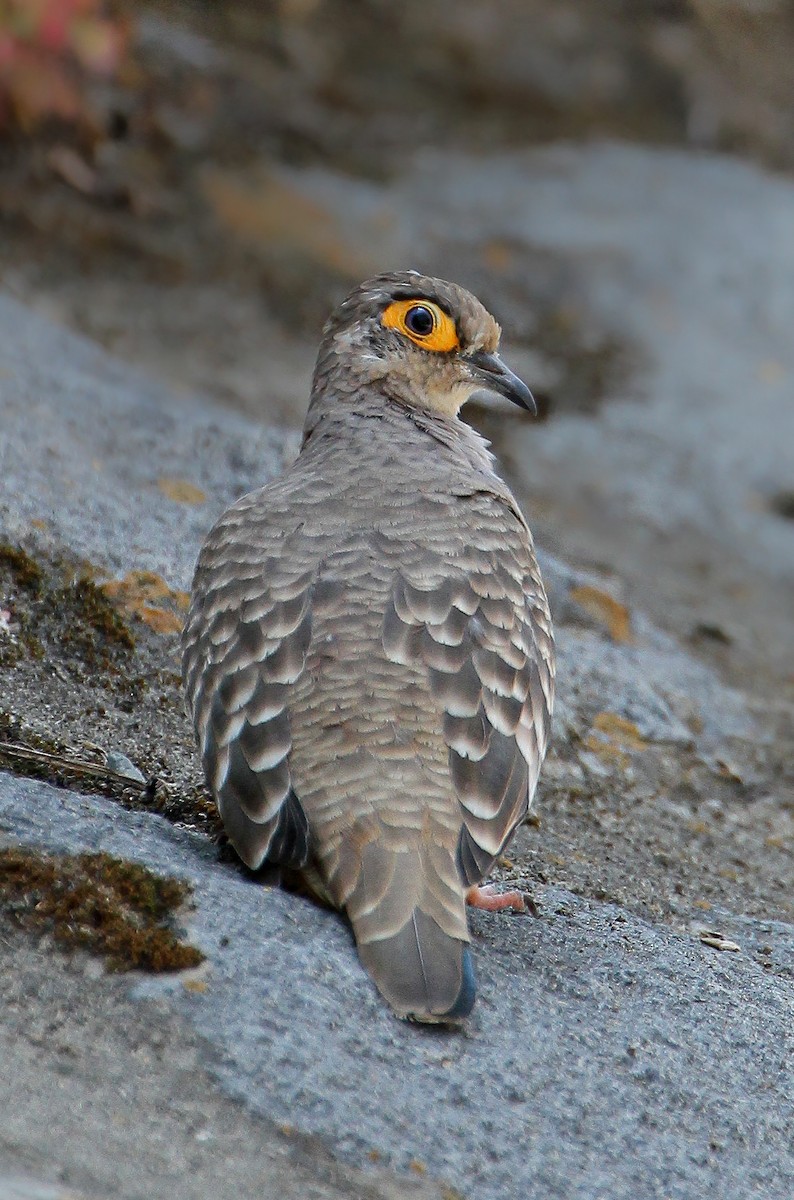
{"x": 493, "y": 375}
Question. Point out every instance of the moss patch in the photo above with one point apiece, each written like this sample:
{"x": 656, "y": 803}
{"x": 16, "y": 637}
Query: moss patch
{"x": 26, "y": 571}
{"x": 96, "y": 615}
{"x": 82, "y": 674}
{"x": 95, "y": 902}
{"x": 59, "y": 613}
{"x": 82, "y": 620}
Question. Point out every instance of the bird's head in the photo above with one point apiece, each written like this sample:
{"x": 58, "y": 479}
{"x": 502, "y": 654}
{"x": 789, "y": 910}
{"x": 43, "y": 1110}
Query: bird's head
{"x": 423, "y": 342}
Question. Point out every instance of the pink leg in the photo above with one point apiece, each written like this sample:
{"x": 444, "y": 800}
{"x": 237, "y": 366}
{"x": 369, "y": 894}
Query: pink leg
{"x": 494, "y": 901}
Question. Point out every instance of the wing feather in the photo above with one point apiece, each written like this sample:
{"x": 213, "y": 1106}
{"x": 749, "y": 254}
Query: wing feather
{"x": 480, "y": 623}
{"x": 244, "y": 646}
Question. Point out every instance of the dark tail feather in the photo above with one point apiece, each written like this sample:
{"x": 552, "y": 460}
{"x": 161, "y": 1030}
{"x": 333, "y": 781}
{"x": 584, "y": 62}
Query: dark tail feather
{"x": 422, "y": 972}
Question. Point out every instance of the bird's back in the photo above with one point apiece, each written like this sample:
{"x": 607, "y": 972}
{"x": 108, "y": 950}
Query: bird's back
{"x": 374, "y": 596}
{"x": 369, "y": 663}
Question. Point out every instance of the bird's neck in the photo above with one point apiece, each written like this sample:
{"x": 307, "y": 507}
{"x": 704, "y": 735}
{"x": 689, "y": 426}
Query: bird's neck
{"x": 360, "y": 416}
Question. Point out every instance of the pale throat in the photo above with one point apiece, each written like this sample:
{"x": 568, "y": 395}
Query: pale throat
{"x": 445, "y": 399}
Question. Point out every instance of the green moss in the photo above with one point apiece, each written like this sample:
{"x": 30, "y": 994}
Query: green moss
{"x": 10, "y": 655}
{"x": 95, "y": 902}
{"x": 96, "y": 612}
{"x": 84, "y": 622}
{"x": 26, "y": 571}
{"x": 62, "y": 613}
{"x": 33, "y": 646}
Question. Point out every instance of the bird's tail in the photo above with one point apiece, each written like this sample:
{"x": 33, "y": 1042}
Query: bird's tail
{"x": 409, "y": 919}
{"x": 423, "y": 973}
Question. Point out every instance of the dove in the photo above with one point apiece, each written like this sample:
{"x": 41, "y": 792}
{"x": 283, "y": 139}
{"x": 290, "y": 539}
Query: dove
{"x": 369, "y": 657}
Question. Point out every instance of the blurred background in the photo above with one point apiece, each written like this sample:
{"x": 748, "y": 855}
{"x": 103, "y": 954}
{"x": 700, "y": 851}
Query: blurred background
{"x": 194, "y": 184}
{"x": 182, "y": 181}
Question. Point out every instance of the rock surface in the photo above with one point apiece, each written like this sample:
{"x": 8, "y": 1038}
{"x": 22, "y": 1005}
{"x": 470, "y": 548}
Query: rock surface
{"x": 612, "y": 1053}
{"x": 606, "y": 1056}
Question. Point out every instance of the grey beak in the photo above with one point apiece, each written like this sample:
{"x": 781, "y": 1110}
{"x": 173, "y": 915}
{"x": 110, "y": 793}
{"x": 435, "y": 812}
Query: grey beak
{"x": 496, "y": 377}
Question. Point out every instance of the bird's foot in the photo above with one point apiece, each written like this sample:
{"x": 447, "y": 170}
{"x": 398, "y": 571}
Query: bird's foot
{"x": 492, "y": 900}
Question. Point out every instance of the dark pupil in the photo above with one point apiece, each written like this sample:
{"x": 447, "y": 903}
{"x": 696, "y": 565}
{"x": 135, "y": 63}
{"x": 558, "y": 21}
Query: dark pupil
{"x": 419, "y": 320}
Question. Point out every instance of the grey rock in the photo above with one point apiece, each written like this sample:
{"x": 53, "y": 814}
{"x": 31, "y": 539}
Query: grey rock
{"x": 606, "y": 1057}
{"x": 18, "y": 1187}
{"x": 105, "y": 1096}
{"x": 85, "y": 441}
{"x": 651, "y": 681}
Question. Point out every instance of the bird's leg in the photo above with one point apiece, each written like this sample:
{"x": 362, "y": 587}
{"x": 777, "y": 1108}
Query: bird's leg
{"x": 494, "y": 901}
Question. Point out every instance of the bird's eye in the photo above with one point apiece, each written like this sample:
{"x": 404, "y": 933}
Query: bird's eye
{"x": 424, "y": 323}
{"x": 419, "y": 320}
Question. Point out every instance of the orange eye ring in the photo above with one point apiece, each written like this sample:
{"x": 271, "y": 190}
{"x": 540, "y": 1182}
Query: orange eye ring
{"x": 410, "y": 316}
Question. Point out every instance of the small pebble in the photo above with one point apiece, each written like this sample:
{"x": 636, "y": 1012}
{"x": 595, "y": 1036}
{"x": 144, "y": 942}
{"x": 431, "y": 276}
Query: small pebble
{"x": 121, "y": 765}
